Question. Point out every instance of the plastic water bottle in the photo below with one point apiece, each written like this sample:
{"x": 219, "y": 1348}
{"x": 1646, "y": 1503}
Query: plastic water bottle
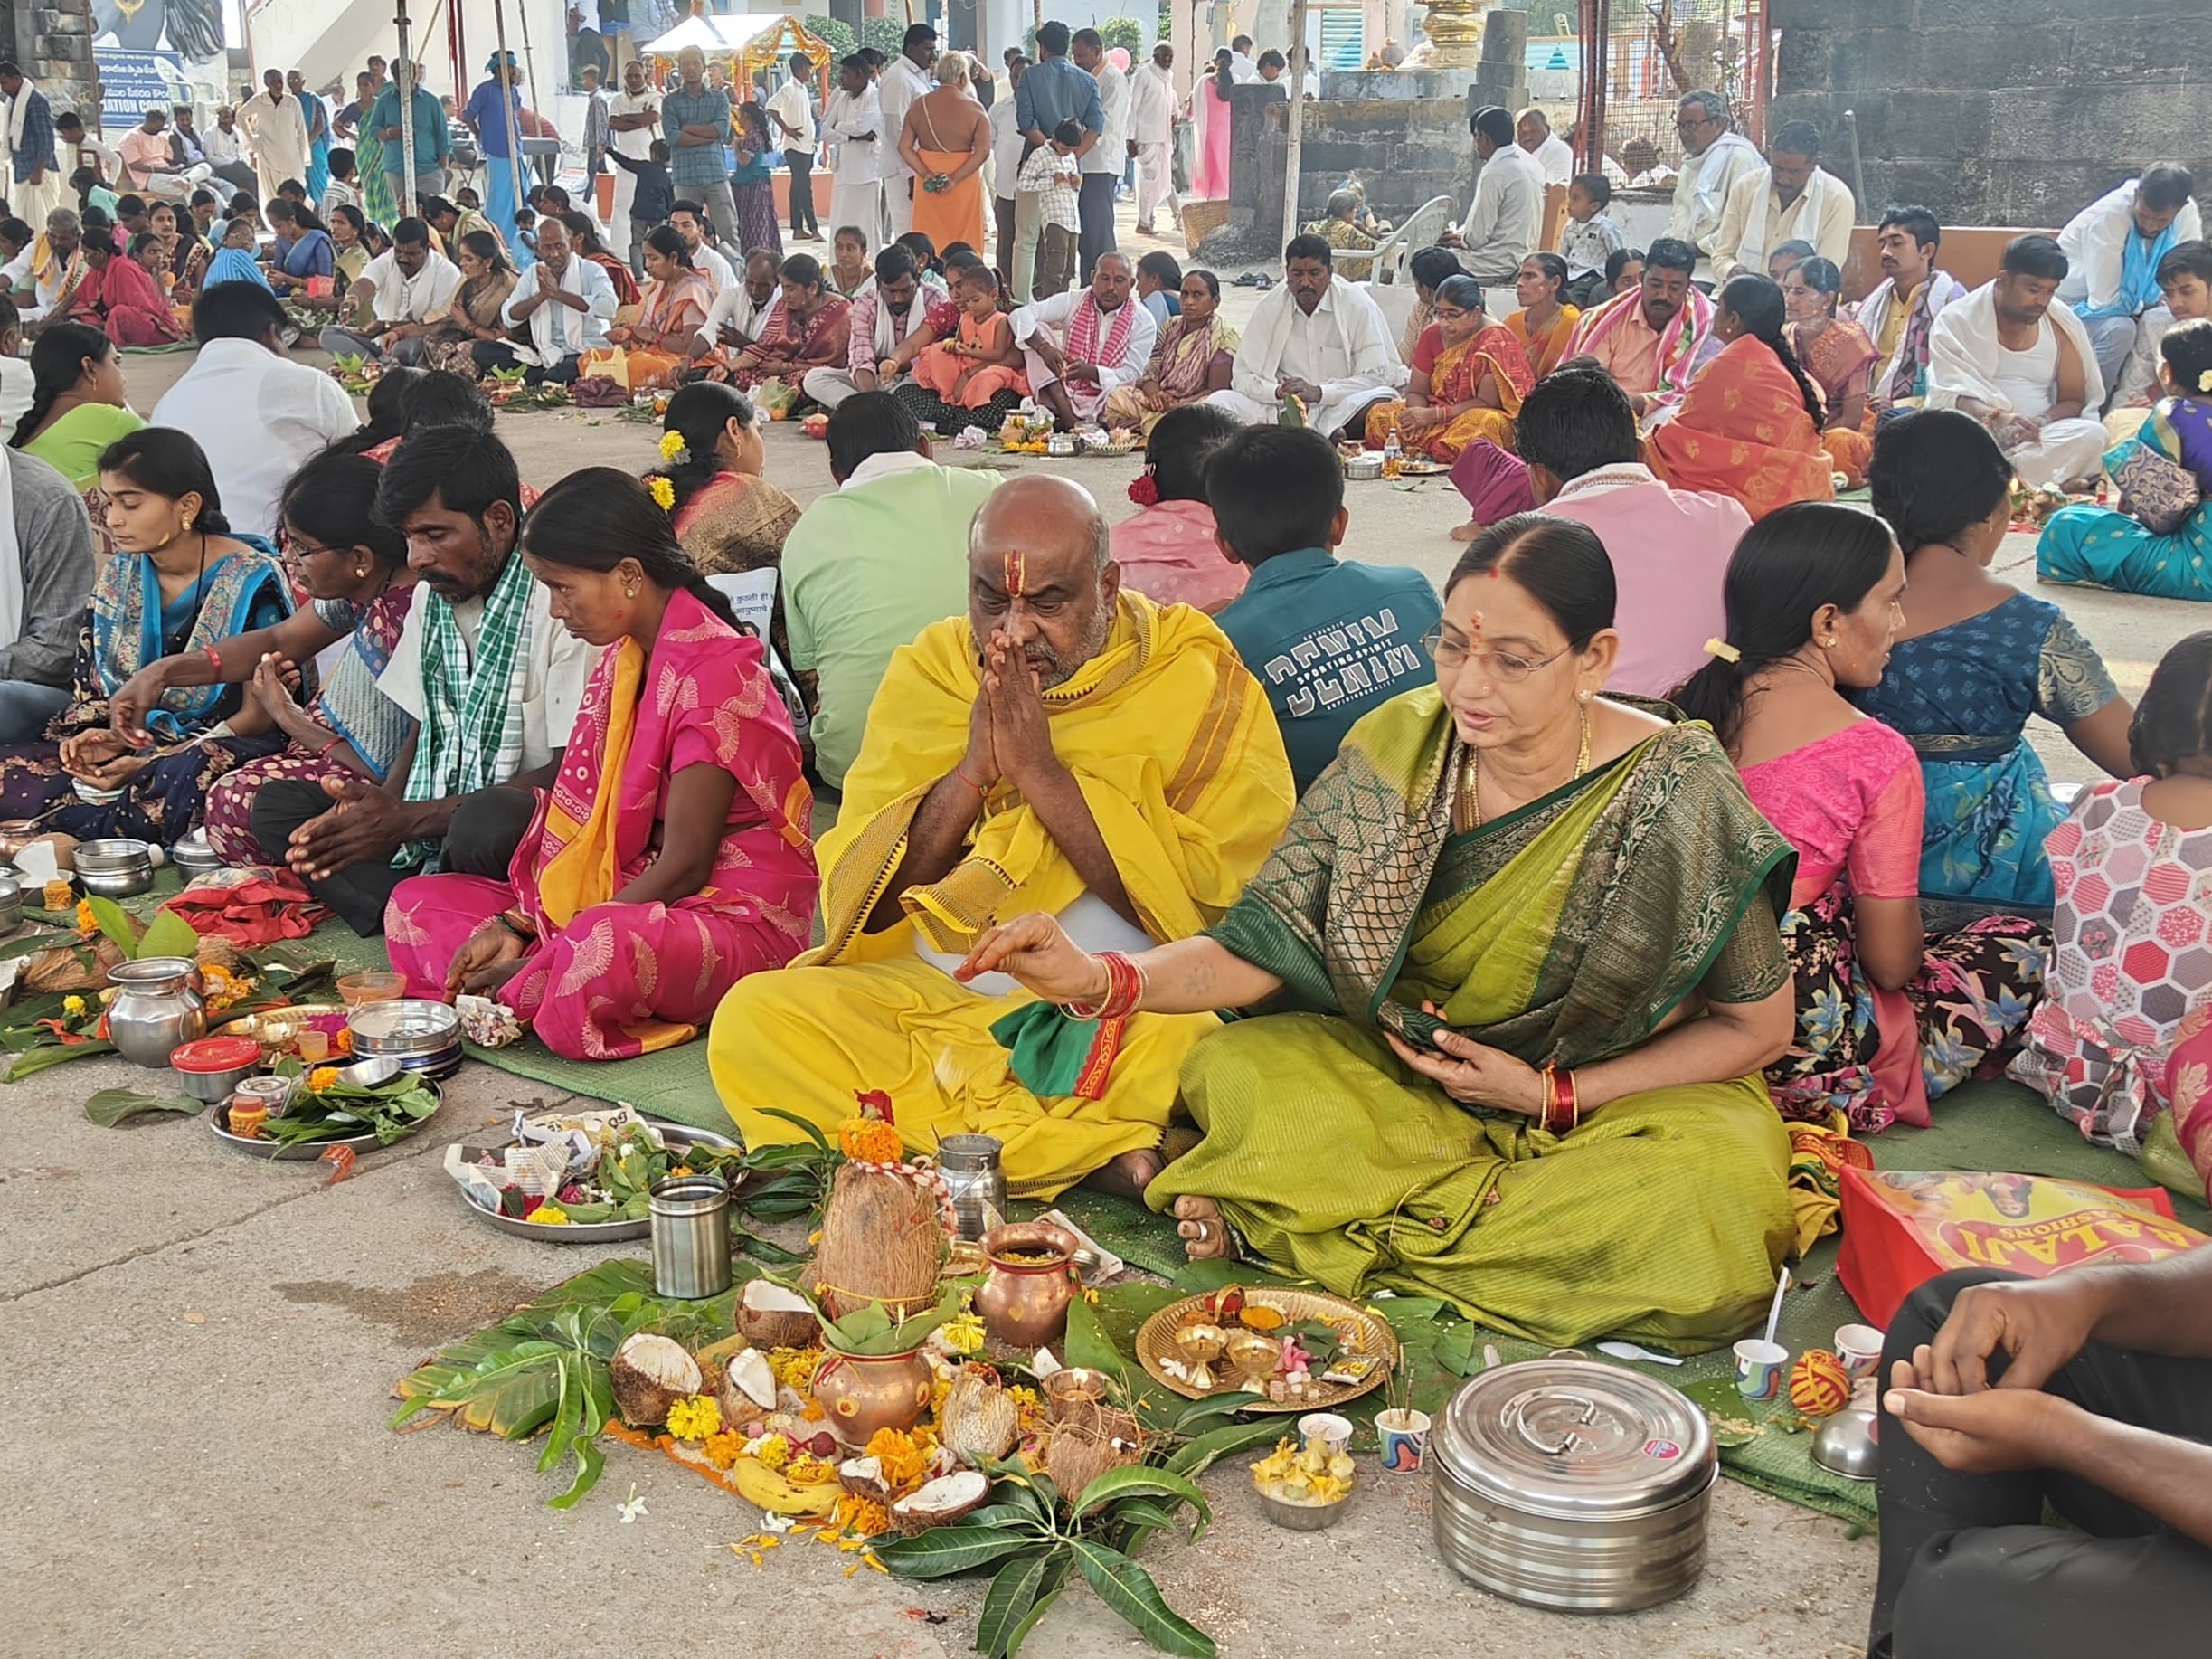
{"x": 1394, "y": 452}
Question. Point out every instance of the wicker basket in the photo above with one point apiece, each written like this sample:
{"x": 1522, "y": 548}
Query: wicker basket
{"x": 1201, "y": 220}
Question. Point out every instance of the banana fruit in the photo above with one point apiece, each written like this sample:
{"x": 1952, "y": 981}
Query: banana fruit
{"x": 764, "y": 1488}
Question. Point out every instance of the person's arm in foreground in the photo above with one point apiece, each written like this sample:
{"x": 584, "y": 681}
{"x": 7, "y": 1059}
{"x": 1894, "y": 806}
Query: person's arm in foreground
{"x": 230, "y": 663}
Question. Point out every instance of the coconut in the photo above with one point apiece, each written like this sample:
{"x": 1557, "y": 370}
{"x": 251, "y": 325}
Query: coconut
{"x": 978, "y": 1417}
{"x": 940, "y": 1503}
{"x": 740, "y": 1386}
{"x": 863, "y": 1478}
{"x": 770, "y": 1316}
{"x": 650, "y": 1373}
{"x": 1085, "y": 1444}
{"x": 881, "y": 1241}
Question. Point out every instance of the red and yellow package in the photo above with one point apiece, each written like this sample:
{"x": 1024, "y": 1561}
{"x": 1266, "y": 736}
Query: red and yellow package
{"x": 1901, "y": 1227}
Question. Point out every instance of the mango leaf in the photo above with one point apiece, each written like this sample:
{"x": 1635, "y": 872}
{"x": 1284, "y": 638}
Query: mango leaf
{"x": 1141, "y": 1481}
{"x": 168, "y": 934}
{"x": 1197, "y": 1456}
{"x": 1455, "y": 1351}
{"x": 115, "y": 923}
{"x": 1087, "y": 1344}
{"x": 941, "y": 1551}
{"x": 112, "y": 1106}
{"x": 1015, "y": 1593}
{"x": 1129, "y": 1591}
{"x": 810, "y": 1129}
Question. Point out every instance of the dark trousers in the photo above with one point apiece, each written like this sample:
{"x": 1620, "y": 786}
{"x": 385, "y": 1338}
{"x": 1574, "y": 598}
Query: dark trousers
{"x": 1094, "y": 211}
{"x": 1966, "y": 1567}
{"x": 803, "y": 222}
{"x": 499, "y": 355}
{"x": 480, "y": 840}
{"x": 1003, "y": 258}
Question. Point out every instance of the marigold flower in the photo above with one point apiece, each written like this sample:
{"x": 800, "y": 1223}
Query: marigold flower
{"x": 87, "y": 923}
{"x": 664, "y": 492}
{"x": 324, "y": 1077}
{"x": 72, "y": 1005}
{"x": 548, "y": 1215}
{"x": 773, "y": 1450}
{"x": 695, "y": 1418}
{"x": 724, "y": 1447}
{"x": 672, "y": 446}
{"x": 866, "y": 1140}
{"x": 899, "y": 1455}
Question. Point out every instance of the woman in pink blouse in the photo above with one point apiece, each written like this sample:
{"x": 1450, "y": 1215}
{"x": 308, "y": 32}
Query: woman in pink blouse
{"x": 1168, "y": 552}
{"x": 1888, "y": 1018}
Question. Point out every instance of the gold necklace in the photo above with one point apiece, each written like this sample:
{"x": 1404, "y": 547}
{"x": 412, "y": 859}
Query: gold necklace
{"x": 1474, "y": 770}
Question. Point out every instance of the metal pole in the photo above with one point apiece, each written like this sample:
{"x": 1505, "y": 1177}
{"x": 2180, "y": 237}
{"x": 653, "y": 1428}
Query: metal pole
{"x": 506, "y": 107}
{"x": 1858, "y": 169}
{"x": 1296, "y": 128}
{"x": 403, "y": 76}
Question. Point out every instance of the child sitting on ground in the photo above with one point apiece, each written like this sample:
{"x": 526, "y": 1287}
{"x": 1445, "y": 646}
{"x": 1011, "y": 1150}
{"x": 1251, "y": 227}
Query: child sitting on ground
{"x": 2185, "y": 284}
{"x": 981, "y": 363}
{"x": 1588, "y": 239}
{"x": 1052, "y": 174}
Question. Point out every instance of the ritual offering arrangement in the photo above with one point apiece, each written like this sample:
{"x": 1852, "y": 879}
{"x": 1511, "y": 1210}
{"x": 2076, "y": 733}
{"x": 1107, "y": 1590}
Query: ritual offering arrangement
{"x": 1303, "y": 1484}
{"x": 580, "y": 1177}
{"x": 1297, "y": 1350}
{"x": 302, "y": 1112}
{"x": 1573, "y": 1486}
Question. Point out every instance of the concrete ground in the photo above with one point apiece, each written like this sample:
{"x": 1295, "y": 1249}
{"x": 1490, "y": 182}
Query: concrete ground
{"x": 196, "y": 1461}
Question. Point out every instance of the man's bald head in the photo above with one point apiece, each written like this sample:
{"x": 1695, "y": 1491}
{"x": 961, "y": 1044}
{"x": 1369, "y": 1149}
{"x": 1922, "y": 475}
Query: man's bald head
{"x": 1040, "y": 571}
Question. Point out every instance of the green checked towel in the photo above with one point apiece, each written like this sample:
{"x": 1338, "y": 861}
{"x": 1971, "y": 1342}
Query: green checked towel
{"x": 472, "y": 717}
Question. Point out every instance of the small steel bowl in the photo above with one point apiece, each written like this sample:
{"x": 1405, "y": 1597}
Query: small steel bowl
{"x": 408, "y": 1028}
{"x": 1364, "y": 467}
{"x": 368, "y": 1074}
{"x": 114, "y": 852}
{"x": 127, "y": 883}
{"x": 1845, "y": 1444}
{"x": 194, "y": 857}
{"x": 1302, "y": 1517}
{"x": 215, "y": 1086}
{"x": 11, "y": 904}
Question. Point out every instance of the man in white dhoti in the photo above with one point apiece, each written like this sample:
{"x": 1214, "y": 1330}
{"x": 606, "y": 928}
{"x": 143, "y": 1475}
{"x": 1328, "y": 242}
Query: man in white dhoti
{"x": 885, "y": 311}
{"x": 1792, "y": 198}
{"x": 2113, "y": 250}
{"x": 633, "y": 122}
{"x": 2024, "y": 367}
{"x": 854, "y": 125}
{"x": 1315, "y": 337}
{"x": 46, "y": 273}
{"x": 1151, "y": 135}
{"x": 1081, "y": 343}
{"x": 1900, "y": 313}
{"x": 1713, "y": 157}
{"x": 905, "y": 78}
{"x": 36, "y": 185}
{"x": 277, "y": 127}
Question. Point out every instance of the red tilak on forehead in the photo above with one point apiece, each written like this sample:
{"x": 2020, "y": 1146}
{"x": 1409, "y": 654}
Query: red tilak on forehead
{"x": 1014, "y": 572}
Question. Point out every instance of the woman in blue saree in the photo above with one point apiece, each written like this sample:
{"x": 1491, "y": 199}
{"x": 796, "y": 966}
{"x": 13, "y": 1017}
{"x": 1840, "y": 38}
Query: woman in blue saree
{"x": 303, "y": 249}
{"x": 2096, "y": 547}
{"x": 179, "y": 581}
{"x": 1975, "y": 658}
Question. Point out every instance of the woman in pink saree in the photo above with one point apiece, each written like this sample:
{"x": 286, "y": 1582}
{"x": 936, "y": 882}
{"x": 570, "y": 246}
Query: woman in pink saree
{"x": 1209, "y": 107}
{"x": 670, "y": 857}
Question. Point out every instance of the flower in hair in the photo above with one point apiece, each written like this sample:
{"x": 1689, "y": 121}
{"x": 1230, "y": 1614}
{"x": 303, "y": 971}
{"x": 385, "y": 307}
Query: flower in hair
{"x": 2204, "y": 380}
{"x": 673, "y": 448}
{"x": 1144, "y": 489}
{"x": 664, "y": 492}
{"x": 1723, "y": 651}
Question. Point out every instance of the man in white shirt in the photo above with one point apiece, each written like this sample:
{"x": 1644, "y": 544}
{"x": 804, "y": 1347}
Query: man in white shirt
{"x": 2023, "y": 366}
{"x": 1102, "y": 163}
{"x": 2112, "y": 249}
{"x": 887, "y": 309}
{"x": 740, "y": 313}
{"x": 687, "y": 220}
{"x": 462, "y": 800}
{"x": 256, "y": 413}
{"x": 149, "y": 164}
{"x": 1532, "y": 130}
{"x": 1080, "y": 345}
{"x": 1506, "y": 213}
{"x": 791, "y": 112}
{"x": 225, "y": 149}
{"x": 1151, "y": 137}
{"x": 564, "y": 300}
{"x": 79, "y": 150}
{"x": 905, "y": 78}
{"x": 1315, "y": 337}
{"x": 49, "y": 267}
{"x": 633, "y": 122}
{"x": 1007, "y": 143}
{"x": 1715, "y": 155}
{"x": 411, "y": 289}
{"x": 854, "y": 123}
{"x": 276, "y": 124}
{"x": 1792, "y": 198}
{"x": 1243, "y": 71}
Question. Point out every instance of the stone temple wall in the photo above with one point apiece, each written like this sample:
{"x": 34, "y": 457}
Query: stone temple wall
{"x": 2008, "y": 112}
{"x": 53, "y": 41}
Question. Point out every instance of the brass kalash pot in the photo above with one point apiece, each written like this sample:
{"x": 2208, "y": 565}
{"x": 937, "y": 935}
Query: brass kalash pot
{"x": 1032, "y": 1278}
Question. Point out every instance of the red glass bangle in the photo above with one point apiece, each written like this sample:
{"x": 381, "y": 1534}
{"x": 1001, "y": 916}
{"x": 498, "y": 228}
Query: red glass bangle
{"x": 1125, "y": 983}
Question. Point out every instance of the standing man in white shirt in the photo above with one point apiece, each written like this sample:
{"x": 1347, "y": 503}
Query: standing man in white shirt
{"x": 853, "y": 124}
{"x": 276, "y": 124}
{"x": 905, "y": 78}
{"x": 1532, "y": 130}
{"x": 1007, "y": 145}
{"x": 1793, "y": 198}
{"x": 791, "y": 111}
{"x": 1102, "y": 163}
{"x": 1151, "y": 138}
{"x": 257, "y": 414}
{"x": 410, "y": 288}
{"x": 1506, "y": 214}
{"x": 633, "y": 122}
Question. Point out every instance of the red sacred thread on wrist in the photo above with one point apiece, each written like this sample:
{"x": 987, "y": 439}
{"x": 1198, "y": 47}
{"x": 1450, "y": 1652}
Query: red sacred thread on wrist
{"x": 971, "y": 783}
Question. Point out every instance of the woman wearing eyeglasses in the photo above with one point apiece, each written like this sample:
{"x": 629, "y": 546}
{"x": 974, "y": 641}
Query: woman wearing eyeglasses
{"x": 1519, "y": 958}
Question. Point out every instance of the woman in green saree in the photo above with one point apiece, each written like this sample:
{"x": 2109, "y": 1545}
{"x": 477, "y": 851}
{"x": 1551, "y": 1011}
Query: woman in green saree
{"x": 1518, "y": 963}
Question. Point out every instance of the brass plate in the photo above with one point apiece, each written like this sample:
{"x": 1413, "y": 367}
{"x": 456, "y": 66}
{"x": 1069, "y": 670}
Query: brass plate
{"x": 1369, "y": 1334}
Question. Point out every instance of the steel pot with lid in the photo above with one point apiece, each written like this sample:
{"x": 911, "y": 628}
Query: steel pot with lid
{"x": 1568, "y": 1484}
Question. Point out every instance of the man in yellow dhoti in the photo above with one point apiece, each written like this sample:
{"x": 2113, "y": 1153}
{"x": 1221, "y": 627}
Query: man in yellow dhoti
{"x": 1066, "y": 746}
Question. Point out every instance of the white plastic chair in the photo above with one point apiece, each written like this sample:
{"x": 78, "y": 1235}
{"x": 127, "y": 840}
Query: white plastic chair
{"x": 1422, "y": 226}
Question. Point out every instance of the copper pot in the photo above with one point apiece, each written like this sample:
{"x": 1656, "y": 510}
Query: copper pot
{"x": 1024, "y": 1299}
{"x": 859, "y": 1393}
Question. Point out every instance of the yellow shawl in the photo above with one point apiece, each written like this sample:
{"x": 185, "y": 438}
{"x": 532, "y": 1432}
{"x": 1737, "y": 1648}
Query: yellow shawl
{"x": 1169, "y": 737}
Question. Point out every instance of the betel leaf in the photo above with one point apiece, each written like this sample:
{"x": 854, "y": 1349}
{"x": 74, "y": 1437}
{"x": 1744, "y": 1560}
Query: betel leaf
{"x": 1129, "y": 1591}
{"x": 46, "y": 1058}
{"x": 114, "y": 923}
{"x": 168, "y": 934}
{"x": 112, "y": 1106}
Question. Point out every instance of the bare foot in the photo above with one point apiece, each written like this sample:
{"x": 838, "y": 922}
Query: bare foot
{"x": 1466, "y": 532}
{"x": 1129, "y": 1174}
{"x": 1205, "y": 1236}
